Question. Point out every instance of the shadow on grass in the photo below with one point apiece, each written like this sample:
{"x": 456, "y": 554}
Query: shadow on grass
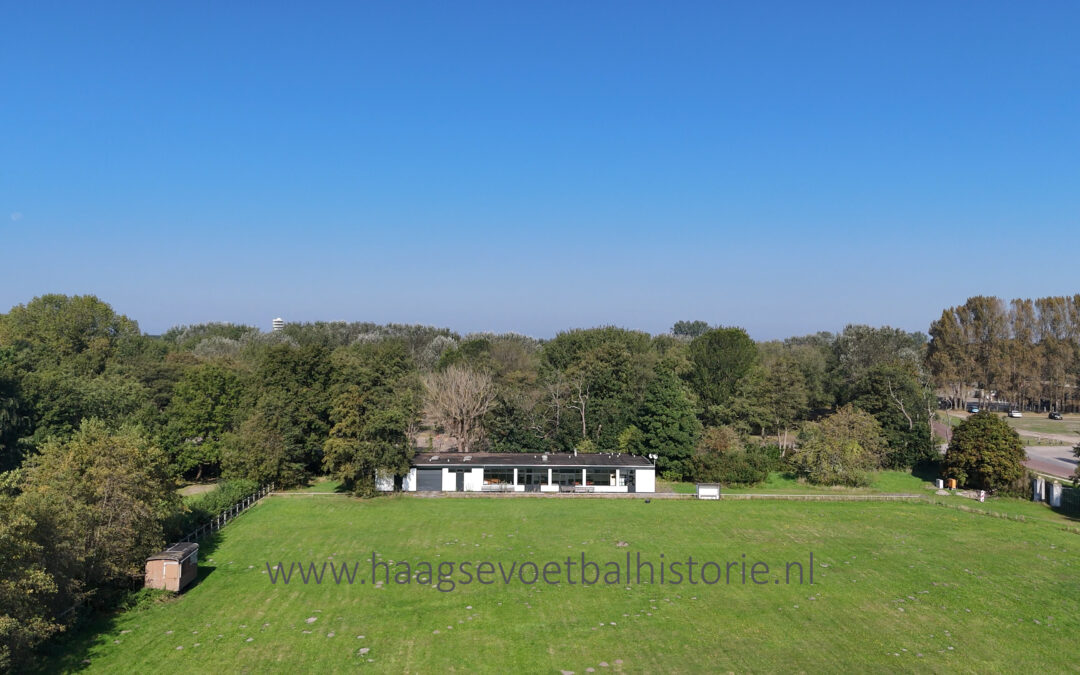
{"x": 927, "y": 471}
{"x": 96, "y": 626}
{"x": 1070, "y": 503}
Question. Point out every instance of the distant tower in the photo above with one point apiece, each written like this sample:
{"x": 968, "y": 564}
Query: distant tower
{"x": 278, "y": 324}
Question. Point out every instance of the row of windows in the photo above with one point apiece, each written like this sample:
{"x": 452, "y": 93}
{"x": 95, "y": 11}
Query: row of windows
{"x": 569, "y": 477}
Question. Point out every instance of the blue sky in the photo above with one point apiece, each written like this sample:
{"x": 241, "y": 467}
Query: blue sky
{"x": 787, "y": 167}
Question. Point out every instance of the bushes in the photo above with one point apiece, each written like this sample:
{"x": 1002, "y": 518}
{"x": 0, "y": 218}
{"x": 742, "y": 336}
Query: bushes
{"x": 721, "y": 457}
{"x": 743, "y": 467}
{"x": 841, "y": 449}
{"x": 205, "y": 507}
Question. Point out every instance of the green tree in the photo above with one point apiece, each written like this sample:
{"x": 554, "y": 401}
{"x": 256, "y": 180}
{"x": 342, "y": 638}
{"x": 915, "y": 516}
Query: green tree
{"x": 368, "y": 437}
{"x": 98, "y": 501}
{"x": 11, "y": 420}
{"x": 78, "y": 331}
{"x": 721, "y": 457}
{"x": 771, "y": 397}
{"x": 861, "y": 348}
{"x": 841, "y": 449}
{"x": 59, "y": 401}
{"x": 631, "y": 441}
{"x": 669, "y": 425}
{"x": 985, "y": 453}
{"x": 27, "y": 590}
{"x": 689, "y": 329}
{"x": 290, "y": 390}
{"x": 203, "y": 407}
{"x": 894, "y": 395}
{"x": 269, "y": 446}
{"x": 816, "y": 358}
{"x": 719, "y": 359}
{"x": 594, "y": 384}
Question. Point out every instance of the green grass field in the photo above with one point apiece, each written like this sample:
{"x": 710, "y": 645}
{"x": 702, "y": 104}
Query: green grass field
{"x": 1070, "y": 426}
{"x": 896, "y": 586}
{"x": 781, "y": 483}
{"x": 1036, "y": 422}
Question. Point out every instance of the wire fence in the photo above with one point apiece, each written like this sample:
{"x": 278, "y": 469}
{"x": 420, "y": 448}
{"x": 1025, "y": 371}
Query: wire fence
{"x": 1070, "y": 501}
{"x": 228, "y": 515}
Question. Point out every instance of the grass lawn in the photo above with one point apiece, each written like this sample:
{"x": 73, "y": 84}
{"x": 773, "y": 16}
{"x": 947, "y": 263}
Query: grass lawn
{"x": 911, "y": 586}
{"x": 1070, "y": 426}
{"x": 1011, "y": 507}
{"x": 784, "y": 483}
{"x": 196, "y": 490}
{"x": 1037, "y": 422}
{"x": 320, "y": 484}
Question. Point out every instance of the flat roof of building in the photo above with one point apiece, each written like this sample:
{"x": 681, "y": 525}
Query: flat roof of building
{"x": 178, "y": 552}
{"x": 613, "y": 460}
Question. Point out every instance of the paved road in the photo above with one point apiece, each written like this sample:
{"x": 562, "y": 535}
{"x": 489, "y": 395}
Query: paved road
{"x": 1056, "y": 460}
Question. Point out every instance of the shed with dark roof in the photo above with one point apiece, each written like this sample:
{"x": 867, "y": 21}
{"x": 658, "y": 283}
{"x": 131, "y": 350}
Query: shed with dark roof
{"x": 528, "y": 472}
{"x": 174, "y": 568}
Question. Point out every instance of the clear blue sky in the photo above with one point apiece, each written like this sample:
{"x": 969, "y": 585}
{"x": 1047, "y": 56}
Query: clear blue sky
{"x": 784, "y": 166}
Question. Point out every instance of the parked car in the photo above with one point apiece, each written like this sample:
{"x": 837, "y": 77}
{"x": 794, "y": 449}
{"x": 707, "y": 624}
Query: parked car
{"x": 1055, "y": 415}
{"x": 973, "y": 409}
{"x": 1015, "y": 413}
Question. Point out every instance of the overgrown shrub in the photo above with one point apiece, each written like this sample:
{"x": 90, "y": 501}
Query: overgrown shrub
{"x": 742, "y": 467}
{"x": 721, "y": 457}
{"x": 206, "y": 507}
{"x": 842, "y": 449}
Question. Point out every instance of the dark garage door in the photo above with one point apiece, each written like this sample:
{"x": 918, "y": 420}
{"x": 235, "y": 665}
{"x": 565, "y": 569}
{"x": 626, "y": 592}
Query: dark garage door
{"x": 429, "y": 480}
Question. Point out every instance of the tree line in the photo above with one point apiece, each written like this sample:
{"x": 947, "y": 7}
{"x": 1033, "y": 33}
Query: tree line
{"x": 99, "y": 422}
{"x": 1027, "y": 351}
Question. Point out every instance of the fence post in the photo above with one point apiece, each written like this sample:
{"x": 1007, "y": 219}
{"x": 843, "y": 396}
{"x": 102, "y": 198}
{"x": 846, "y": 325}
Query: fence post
{"x": 1055, "y": 495}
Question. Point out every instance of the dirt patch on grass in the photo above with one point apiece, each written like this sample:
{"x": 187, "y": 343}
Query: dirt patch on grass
{"x": 197, "y": 489}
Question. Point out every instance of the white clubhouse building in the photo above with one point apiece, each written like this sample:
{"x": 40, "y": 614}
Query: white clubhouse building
{"x": 525, "y": 472}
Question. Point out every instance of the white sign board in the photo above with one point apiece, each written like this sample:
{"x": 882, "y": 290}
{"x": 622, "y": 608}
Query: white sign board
{"x": 708, "y": 492}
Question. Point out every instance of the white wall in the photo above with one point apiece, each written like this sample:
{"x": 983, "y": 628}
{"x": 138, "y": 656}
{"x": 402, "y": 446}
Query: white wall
{"x": 384, "y": 481}
{"x": 474, "y": 480}
{"x": 408, "y": 483}
{"x": 645, "y": 480}
{"x": 449, "y": 480}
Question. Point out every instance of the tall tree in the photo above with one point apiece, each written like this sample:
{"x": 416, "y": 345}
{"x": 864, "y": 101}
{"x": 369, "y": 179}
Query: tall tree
{"x": 27, "y": 590}
{"x": 719, "y": 359}
{"x": 669, "y": 425}
{"x": 99, "y": 500}
{"x": 986, "y": 453}
{"x": 601, "y": 375}
{"x": 897, "y": 399}
{"x": 689, "y": 329}
{"x": 369, "y": 436}
{"x": 11, "y": 419}
{"x": 457, "y": 399}
{"x": 772, "y": 397}
{"x": 949, "y": 357}
{"x": 861, "y": 348}
{"x": 203, "y": 407}
{"x": 80, "y": 331}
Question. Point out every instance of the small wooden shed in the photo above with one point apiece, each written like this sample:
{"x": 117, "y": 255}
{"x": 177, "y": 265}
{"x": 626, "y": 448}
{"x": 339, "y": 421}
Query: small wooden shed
{"x": 174, "y": 568}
